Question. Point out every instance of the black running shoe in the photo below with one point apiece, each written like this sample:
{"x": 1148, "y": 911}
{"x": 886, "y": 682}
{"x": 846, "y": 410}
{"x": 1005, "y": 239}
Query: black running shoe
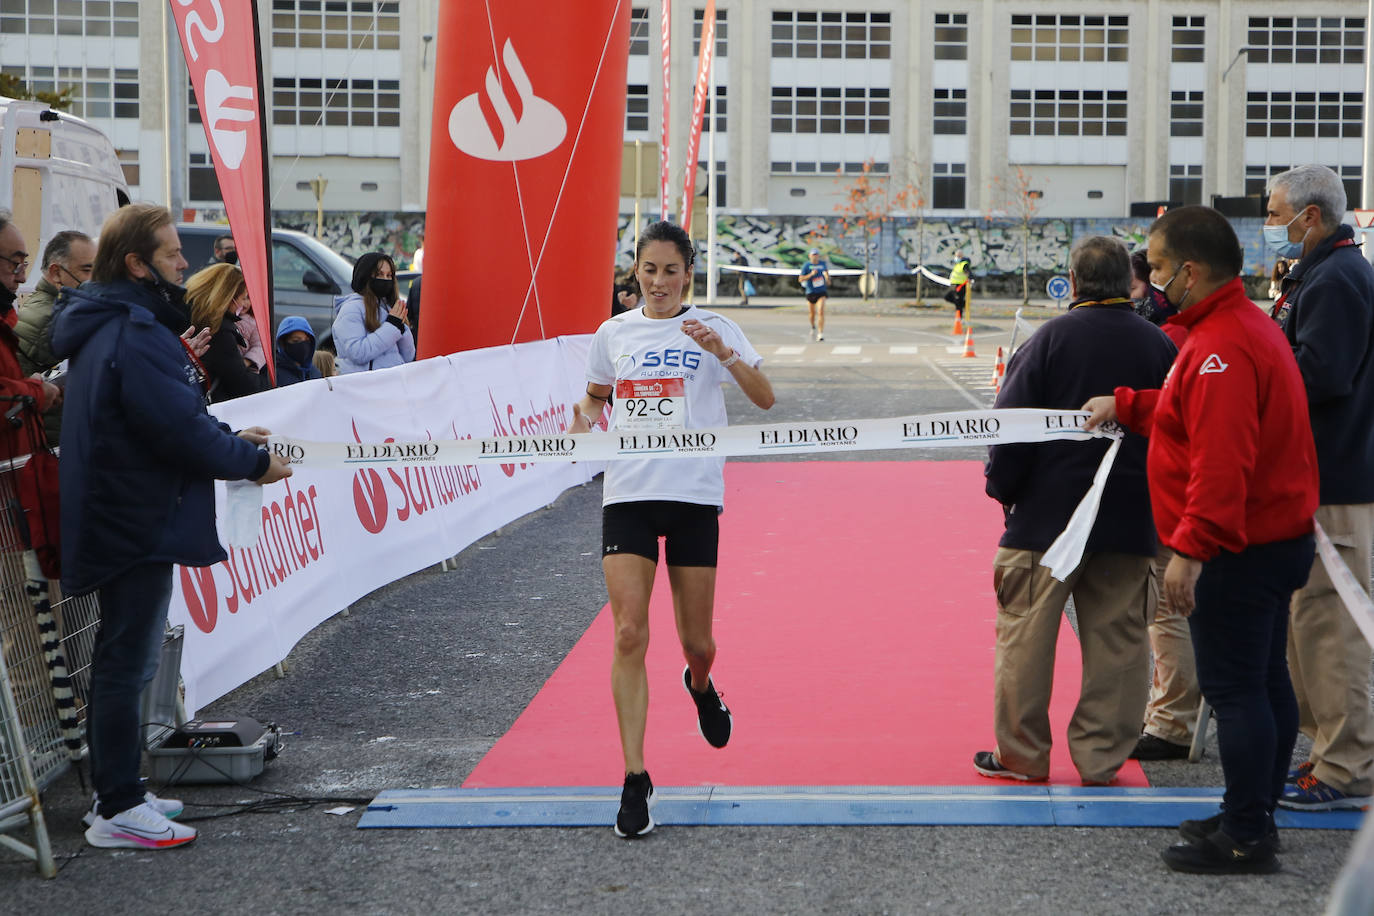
{"x": 1197, "y": 831}
{"x": 713, "y": 717}
{"x": 633, "y": 819}
{"x": 1150, "y": 747}
{"x": 1218, "y": 854}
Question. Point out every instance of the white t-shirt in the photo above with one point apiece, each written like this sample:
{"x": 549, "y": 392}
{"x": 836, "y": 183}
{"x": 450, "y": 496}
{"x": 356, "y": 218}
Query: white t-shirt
{"x": 664, "y": 381}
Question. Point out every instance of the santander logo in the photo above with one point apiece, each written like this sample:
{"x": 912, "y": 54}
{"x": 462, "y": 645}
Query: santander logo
{"x": 501, "y": 127}
{"x": 369, "y": 496}
{"x": 226, "y": 108}
{"x": 202, "y": 597}
{"x": 230, "y": 139}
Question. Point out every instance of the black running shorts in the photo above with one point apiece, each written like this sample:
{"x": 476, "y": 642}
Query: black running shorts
{"x": 690, "y": 532}
{"x": 816, "y": 297}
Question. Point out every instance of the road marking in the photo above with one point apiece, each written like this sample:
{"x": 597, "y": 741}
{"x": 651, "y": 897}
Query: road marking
{"x": 790, "y": 351}
{"x": 968, "y": 395}
{"x": 846, "y": 351}
{"x": 898, "y": 350}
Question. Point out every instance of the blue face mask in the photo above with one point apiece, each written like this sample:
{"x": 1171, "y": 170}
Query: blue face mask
{"x": 1276, "y": 237}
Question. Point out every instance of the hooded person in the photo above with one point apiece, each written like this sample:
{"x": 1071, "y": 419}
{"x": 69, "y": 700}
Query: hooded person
{"x": 370, "y": 330}
{"x": 295, "y": 351}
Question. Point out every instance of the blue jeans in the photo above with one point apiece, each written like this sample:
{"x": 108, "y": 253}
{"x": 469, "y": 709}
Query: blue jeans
{"x": 1240, "y": 641}
{"x": 133, "y": 614}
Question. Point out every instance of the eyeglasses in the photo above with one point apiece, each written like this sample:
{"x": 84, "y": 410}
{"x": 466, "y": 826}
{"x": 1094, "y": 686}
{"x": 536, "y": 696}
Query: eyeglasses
{"x": 18, "y": 262}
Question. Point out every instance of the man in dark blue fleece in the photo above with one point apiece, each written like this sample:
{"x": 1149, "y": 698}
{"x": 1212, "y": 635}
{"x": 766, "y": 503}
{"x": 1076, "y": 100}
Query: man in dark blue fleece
{"x": 1326, "y": 311}
{"x": 139, "y": 457}
{"x": 1100, "y": 344}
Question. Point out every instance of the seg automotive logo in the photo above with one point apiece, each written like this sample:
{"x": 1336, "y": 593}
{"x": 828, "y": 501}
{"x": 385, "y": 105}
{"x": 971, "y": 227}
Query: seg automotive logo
{"x": 495, "y": 125}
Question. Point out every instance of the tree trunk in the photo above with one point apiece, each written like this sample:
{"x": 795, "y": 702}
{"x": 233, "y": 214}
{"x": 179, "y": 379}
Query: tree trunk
{"x": 920, "y": 257}
{"x": 1025, "y": 263}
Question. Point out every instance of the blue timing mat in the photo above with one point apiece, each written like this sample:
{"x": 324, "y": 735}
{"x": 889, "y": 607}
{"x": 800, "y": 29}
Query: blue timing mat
{"x": 714, "y": 806}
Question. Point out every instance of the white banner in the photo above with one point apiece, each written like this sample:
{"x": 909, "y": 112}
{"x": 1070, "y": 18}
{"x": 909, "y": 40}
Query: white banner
{"x": 331, "y": 534}
{"x": 941, "y": 430}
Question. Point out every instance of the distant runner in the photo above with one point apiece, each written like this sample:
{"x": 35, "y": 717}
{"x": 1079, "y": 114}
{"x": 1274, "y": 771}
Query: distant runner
{"x": 815, "y": 281}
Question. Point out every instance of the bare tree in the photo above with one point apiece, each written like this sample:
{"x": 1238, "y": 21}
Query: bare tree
{"x": 1015, "y": 194}
{"x": 866, "y": 203}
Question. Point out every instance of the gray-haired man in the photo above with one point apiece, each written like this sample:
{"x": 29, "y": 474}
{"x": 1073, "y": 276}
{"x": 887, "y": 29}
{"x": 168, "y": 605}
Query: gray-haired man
{"x": 1327, "y": 313}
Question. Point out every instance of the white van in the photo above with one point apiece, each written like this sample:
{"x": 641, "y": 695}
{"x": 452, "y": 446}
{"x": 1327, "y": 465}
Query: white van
{"x": 56, "y": 172}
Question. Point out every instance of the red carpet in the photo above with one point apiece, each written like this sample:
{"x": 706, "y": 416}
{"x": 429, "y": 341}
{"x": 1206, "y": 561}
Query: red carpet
{"x": 855, "y": 626}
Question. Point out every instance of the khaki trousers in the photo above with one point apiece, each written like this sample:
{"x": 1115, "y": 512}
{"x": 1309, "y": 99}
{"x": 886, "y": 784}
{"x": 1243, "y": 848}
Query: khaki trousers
{"x": 1114, "y": 597}
{"x": 1329, "y": 659}
{"x": 1171, "y": 712}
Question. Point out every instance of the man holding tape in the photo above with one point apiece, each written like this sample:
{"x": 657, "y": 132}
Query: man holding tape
{"x": 1233, "y": 484}
{"x": 140, "y": 453}
{"x": 1326, "y": 311}
{"x": 1101, "y": 343}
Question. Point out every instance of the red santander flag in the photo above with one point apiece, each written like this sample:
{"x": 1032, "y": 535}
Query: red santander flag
{"x": 220, "y": 40}
{"x": 524, "y": 179}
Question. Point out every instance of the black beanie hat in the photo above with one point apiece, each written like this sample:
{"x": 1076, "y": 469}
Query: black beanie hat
{"x": 365, "y": 268}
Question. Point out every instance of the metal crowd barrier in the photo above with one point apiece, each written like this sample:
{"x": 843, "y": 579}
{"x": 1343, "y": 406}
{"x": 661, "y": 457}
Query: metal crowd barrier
{"x": 43, "y": 691}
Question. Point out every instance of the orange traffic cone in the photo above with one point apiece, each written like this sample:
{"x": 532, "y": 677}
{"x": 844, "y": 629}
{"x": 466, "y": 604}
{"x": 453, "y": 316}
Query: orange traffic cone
{"x": 999, "y": 369}
{"x": 958, "y": 325}
{"x": 968, "y": 342}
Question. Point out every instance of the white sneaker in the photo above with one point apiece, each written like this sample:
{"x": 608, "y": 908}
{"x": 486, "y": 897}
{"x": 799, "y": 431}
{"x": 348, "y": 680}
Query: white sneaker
{"x": 813, "y": 333}
{"x": 820, "y": 336}
{"x": 167, "y": 807}
{"x": 140, "y": 827}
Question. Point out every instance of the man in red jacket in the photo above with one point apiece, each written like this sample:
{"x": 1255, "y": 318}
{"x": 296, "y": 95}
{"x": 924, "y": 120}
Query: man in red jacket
{"x": 1240, "y": 527}
{"x": 18, "y": 392}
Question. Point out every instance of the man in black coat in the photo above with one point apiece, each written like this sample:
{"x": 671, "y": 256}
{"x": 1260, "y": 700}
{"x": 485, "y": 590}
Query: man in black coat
{"x": 1326, "y": 311}
{"x": 1101, "y": 343}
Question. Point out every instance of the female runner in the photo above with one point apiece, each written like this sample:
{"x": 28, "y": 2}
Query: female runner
{"x": 665, "y": 363}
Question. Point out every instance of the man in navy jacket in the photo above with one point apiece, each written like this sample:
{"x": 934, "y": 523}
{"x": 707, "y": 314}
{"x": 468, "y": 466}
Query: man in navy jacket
{"x": 1101, "y": 343}
{"x": 1327, "y": 313}
{"x": 139, "y": 457}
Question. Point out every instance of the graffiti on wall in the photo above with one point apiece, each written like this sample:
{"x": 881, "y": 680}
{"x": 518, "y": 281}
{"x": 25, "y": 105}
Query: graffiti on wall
{"x": 994, "y": 246}
{"x": 350, "y": 233}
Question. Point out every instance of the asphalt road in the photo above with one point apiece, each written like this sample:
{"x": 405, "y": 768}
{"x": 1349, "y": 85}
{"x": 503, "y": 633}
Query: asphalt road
{"x": 413, "y": 687}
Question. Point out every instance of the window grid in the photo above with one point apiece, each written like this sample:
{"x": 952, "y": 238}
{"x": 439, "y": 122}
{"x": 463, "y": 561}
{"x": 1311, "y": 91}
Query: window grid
{"x": 721, "y": 111}
{"x": 350, "y": 103}
{"x": 92, "y": 18}
{"x": 948, "y": 187}
{"x": 348, "y": 24}
{"x": 951, "y": 111}
{"x": 832, "y": 34}
{"x": 951, "y": 36}
{"x": 831, "y": 110}
{"x": 1185, "y": 114}
{"x": 1068, "y": 113}
{"x": 201, "y": 183}
{"x": 1070, "y": 38}
{"x": 1185, "y": 184}
{"x": 1306, "y": 40}
{"x": 722, "y": 32}
{"x": 1257, "y": 179}
{"x": 637, "y": 107}
{"x": 98, "y": 91}
{"x": 639, "y": 30}
{"x": 1189, "y": 39}
{"x": 720, "y": 180}
{"x": 1304, "y": 114}
{"x": 828, "y": 167}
